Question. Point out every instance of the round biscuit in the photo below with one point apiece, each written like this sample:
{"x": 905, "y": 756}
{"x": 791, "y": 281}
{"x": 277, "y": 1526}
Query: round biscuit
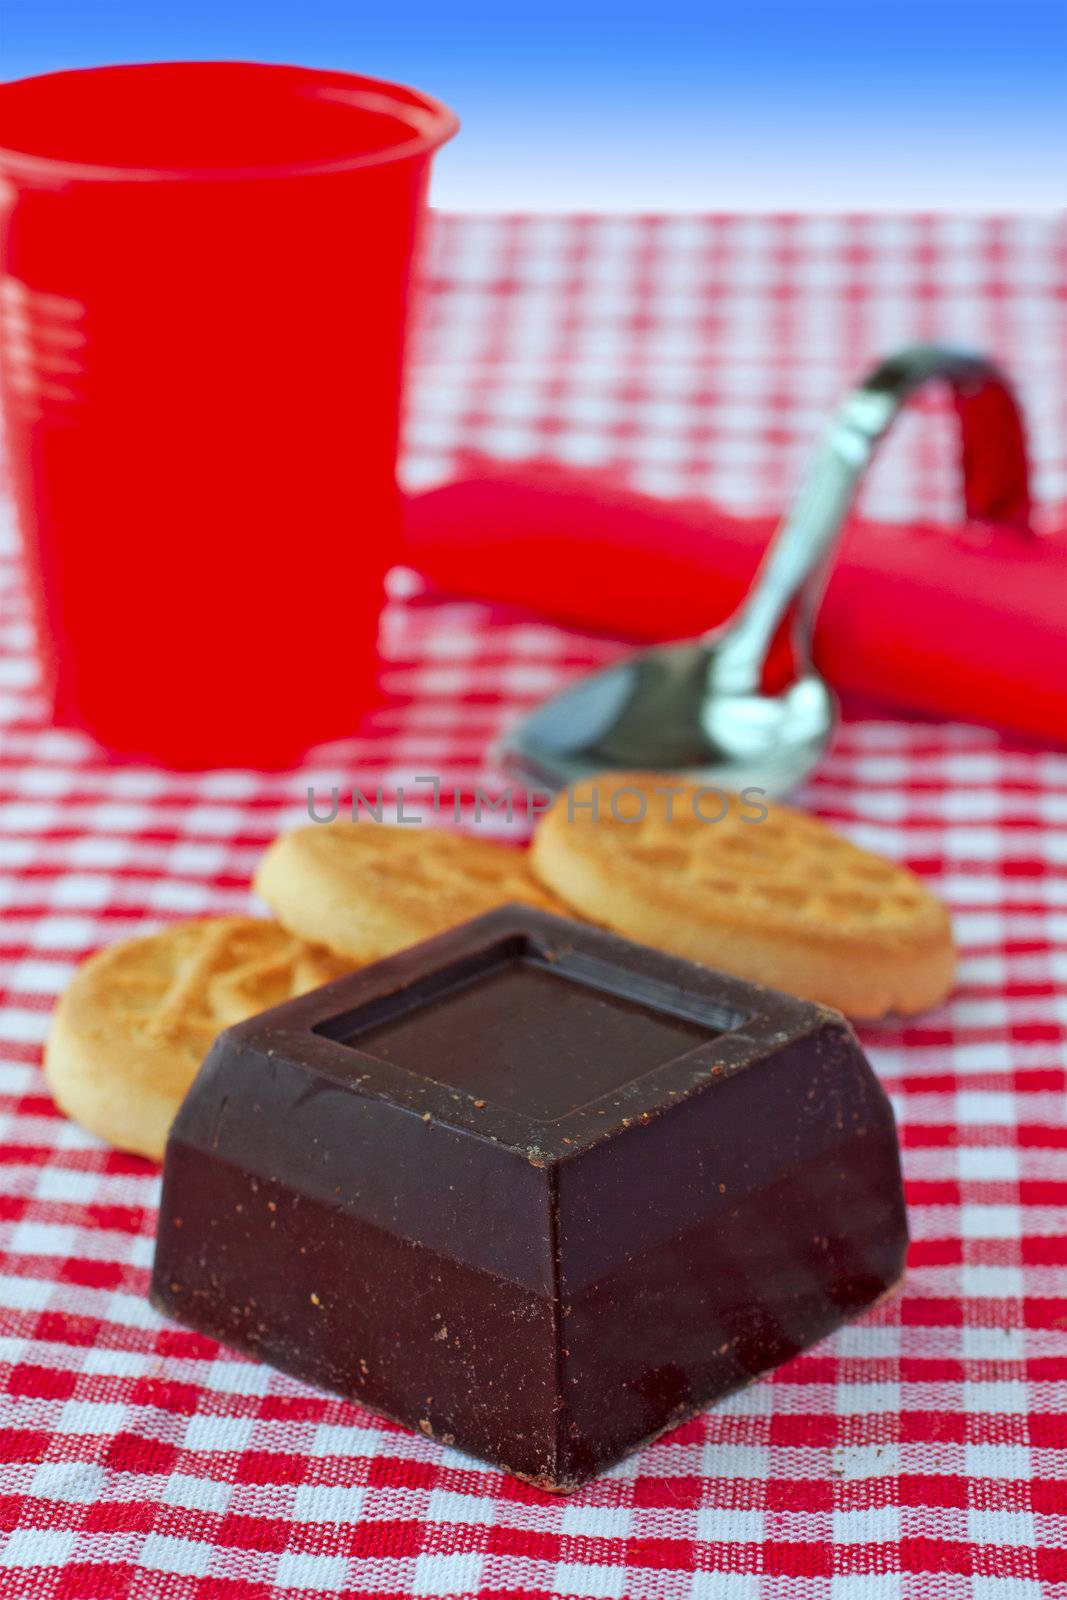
{"x": 782, "y": 900}
{"x": 368, "y": 889}
{"x": 137, "y": 1018}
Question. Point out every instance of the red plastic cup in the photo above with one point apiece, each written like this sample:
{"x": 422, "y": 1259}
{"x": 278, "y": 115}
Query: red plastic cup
{"x": 205, "y": 280}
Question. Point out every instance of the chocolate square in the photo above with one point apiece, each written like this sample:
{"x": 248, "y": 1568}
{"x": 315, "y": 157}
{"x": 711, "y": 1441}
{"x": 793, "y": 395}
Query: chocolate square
{"x": 534, "y": 1189}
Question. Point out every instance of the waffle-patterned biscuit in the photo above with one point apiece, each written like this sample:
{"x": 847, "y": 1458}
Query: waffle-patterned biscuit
{"x": 137, "y": 1018}
{"x": 367, "y": 889}
{"x": 784, "y": 901}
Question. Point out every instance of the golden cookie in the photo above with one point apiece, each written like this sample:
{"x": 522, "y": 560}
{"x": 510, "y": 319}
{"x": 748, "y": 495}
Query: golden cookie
{"x": 783, "y": 901}
{"x": 137, "y": 1018}
{"x": 367, "y": 889}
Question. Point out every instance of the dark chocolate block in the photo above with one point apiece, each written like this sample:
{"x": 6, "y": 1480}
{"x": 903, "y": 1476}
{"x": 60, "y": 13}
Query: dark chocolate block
{"x": 531, "y": 1188}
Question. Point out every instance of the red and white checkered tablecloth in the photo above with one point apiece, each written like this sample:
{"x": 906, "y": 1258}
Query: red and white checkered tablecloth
{"x": 920, "y": 1453}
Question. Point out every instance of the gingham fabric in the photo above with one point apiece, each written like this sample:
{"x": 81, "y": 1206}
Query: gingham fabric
{"x": 921, "y": 1452}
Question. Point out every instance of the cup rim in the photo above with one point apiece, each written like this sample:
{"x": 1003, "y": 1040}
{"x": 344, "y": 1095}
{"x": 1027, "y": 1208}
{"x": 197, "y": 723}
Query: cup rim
{"x": 430, "y": 120}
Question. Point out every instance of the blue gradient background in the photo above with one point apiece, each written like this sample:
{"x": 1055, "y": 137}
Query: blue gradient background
{"x": 799, "y": 106}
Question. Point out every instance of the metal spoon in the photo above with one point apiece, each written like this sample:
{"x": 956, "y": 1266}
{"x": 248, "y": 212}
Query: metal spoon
{"x": 700, "y": 707}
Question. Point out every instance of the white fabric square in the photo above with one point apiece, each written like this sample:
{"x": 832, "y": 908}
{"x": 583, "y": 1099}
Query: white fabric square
{"x": 196, "y": 1493}
{"x": 37, "y": 1547}
{"x": 981, "y": 1106}
{"x": 218, "y": 1433}
{"x": 875, "y": 1525}
{"x": 593, "y": 1579}
{"x": 320, "y": 1574}
{"x": 165, "y": 1553}
{"x": 337, "y": 1503}
{"x": 1007, "y": 1397}
{"x": 988, "y": 1163}
{"x": 77, "y": 1482}
{"x": 997, "y": 1461}
{"x": 990, "y": 1222}
{"x": 730, "y": 1525}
